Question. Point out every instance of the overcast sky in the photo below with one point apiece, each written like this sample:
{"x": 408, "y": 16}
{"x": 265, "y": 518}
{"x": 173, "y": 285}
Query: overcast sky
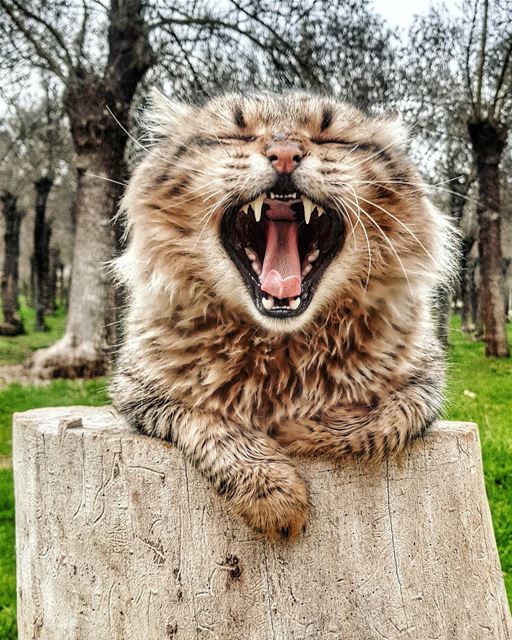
{"x": 400, "y": 12}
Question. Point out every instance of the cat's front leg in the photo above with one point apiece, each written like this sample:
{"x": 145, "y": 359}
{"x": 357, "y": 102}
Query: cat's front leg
{"x": 401, "y": 416}
{"x": 246, "y": 467}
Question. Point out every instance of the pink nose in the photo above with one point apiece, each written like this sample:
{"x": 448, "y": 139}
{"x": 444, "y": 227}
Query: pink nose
{"x": 285, "y": 155}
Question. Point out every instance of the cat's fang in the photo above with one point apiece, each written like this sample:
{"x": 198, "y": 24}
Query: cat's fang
{"x": 308, "y": 208}
{"x": 268, "y": 303}
{"x": 294, "y": 303}
{"x": 257, "y": 205}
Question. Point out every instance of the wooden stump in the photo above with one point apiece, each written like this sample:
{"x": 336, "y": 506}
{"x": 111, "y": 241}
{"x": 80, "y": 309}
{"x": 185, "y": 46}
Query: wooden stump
{"x": 119, "y": 539}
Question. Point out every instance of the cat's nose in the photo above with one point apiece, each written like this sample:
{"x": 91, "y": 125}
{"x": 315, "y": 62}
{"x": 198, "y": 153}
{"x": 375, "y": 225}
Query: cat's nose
{"x": 284, "y": 155}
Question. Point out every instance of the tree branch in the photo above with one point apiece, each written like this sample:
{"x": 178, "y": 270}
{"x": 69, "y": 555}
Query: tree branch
{"x": 37, "y": 46}
{"x": 508, "y": 54}
{"x": 468, "y": 55}
{"x": 50, "y": 28}
{"x": 481, "y": 64}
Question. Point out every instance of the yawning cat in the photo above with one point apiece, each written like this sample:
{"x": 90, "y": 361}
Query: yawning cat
{"x": 281, "y": 265}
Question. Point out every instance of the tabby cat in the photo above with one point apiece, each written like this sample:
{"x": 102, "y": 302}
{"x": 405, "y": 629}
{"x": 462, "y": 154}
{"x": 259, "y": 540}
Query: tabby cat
{"x": 281, "y": 265}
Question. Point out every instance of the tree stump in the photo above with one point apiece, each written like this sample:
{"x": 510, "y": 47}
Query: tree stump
{"x": 119, "y": 539}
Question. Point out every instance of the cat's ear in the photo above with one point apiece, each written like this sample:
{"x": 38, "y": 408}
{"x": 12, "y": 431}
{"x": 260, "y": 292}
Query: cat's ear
{"x": 391, "y": 129}
{"x": 164, "y": 116}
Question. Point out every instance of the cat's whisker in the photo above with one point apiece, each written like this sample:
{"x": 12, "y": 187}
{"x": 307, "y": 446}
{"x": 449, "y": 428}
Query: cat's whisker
{"x": 402, "y": 224}
{"x": 368, "y": 245}
{"x": 391, "y": 246}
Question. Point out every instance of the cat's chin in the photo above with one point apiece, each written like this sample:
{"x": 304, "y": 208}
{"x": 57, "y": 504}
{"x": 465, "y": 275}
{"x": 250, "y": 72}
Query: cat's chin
{"x": 281, "y": 243}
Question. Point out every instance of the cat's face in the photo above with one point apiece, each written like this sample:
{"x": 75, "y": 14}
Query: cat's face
{"x": 280, "y": 206}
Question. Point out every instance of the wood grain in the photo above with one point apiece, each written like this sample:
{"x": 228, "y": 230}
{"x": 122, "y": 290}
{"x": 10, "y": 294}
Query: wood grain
{"x": 119, "y": 539}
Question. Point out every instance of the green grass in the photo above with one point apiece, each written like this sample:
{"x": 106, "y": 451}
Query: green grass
{"x": 16, "y": 350}
{"x": 491, "y": 408}
{"x": 490, "y": 381}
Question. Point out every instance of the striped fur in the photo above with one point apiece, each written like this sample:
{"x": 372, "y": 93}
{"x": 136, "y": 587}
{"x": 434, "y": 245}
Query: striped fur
{"x": 359, "y": 372}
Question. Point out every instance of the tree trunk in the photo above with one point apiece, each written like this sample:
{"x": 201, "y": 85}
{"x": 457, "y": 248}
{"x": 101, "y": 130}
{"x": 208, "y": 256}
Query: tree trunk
{"x": 84, "y": 350}
{"x": 11, "y": 325}
{"x": 41, "y": 255}
{"x": 99, "y": 142}
{"x": 119, "y": 538}
{"x": 468, "y": 291}
{"x": 53, "y": 277}
{"x": 488, "y": 141}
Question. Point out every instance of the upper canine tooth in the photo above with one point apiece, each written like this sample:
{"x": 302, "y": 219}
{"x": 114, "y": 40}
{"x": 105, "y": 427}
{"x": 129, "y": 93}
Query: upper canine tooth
{"x": 320, "y": 211}
{"x": 308, "y": 208}
{"x": 256, "y": 205}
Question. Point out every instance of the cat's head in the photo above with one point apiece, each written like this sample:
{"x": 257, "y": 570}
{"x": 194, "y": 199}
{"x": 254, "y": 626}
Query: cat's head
{"x": 280, "y": 207}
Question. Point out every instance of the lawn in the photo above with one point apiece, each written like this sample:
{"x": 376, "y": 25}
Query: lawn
{"x": 489, "y": 403}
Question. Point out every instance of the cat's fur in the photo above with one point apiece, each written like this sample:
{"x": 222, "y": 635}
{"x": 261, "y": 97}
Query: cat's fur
{"x": 359, "y": 372}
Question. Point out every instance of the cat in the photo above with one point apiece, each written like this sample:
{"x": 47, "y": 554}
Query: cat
{"x": 281, "y": 267}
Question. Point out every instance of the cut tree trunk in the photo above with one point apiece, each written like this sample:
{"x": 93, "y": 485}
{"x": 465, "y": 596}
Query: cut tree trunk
{"x": 41, "y": 255}
{"x": 488, "y": 141}
{"x": 99, "y": 140}
{"x": 117, "y": 537}
{"x": 11, "y": 325}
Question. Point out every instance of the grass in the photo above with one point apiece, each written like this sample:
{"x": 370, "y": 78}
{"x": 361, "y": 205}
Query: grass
{"x": 16, "y": 350}
{"x": 490, "y": 381}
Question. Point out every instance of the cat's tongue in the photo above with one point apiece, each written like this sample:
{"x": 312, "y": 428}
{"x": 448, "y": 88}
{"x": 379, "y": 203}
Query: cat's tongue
{"x": 281, "y": 271}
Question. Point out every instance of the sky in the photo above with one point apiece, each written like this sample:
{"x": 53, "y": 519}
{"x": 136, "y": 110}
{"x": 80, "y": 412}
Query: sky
{"x": 401, "y": 12}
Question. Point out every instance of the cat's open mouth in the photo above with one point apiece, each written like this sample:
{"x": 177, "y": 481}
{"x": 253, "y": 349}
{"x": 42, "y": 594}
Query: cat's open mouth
{"x": 281, "y": 244}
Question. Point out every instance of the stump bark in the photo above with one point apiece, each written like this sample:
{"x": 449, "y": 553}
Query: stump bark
{"x": 118, "y": 538}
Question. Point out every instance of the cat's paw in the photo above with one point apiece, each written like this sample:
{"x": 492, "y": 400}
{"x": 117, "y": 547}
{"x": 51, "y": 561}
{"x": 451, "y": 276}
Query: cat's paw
{"x": 275, "y": 503}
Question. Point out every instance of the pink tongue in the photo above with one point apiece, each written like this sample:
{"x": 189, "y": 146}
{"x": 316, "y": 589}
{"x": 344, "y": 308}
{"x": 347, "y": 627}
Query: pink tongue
{"x": 281, "y": 272}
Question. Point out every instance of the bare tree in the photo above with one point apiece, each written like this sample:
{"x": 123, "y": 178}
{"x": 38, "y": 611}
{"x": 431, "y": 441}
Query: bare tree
{"x": 488, "y": 73}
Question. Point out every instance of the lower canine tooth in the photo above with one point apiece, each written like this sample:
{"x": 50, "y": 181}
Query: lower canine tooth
{"x": 293, "y": 304}
{"x": 256, "y": 205}
{"x": 268, "y": 303}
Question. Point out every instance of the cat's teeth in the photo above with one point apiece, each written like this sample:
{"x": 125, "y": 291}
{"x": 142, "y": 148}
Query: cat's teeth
{"x": 320, "y": 211}
{"x": 250, "y": 254}
{"x": 256, "y": 267}
{"x": 245, "y": 208}
{"x": 308, "y": 208}
{"x": 306, "y": 269}
{"x": 268, "y": 303}
{"x": 293, "y": 195}
{"x": 256, "y": 205}
{"x": 293, "y": 303}
{"x": 313, "y": 255}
